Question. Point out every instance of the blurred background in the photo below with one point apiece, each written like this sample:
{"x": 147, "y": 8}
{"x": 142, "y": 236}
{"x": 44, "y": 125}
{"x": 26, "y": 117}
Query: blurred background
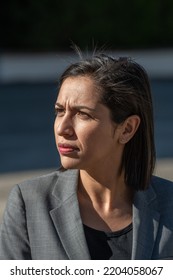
{"x": 35, "y": 48}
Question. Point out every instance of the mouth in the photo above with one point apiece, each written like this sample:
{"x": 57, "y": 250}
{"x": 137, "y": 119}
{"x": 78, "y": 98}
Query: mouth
{"x": 65, "y": 149}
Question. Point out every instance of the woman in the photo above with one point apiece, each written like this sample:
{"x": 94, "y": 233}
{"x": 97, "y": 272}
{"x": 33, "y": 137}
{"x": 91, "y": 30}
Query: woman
{"x": 103, "y": 203}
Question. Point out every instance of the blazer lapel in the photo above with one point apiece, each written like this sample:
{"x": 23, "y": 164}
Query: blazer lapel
{"x": 66, "y": 217}
{"x": 67, "y": 220}
{"x": 145, "y": 224}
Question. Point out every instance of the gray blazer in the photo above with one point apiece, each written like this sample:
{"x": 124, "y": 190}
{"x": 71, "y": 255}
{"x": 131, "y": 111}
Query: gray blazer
{"x": 42, "y": 220}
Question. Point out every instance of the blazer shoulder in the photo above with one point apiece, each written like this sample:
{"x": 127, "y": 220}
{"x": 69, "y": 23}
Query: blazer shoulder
{"x": 42, "y": 182}
{"x": 160, "y": 184}
{"x": 163, "y": 189}
{"x": 30, "y": 194}
{"x": 42, "y": 187}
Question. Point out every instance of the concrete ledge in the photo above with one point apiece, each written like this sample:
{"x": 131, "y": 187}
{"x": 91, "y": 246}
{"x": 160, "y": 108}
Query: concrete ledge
{"x": 48, "y": 66}
{"x": 164, "y": 168}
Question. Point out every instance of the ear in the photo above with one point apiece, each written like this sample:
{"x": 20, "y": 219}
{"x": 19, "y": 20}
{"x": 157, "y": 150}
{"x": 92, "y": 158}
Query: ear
{"x": 129, "y": 128}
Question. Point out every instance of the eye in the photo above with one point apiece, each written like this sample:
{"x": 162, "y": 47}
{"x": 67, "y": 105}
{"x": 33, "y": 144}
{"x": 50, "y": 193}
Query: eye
{"x": 59, "y": 112}
{"x": 84, "y": 115}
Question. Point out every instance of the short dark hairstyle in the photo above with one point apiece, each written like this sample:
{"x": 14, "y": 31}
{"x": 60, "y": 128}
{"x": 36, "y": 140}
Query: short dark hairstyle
{"x": 125, "y": 90}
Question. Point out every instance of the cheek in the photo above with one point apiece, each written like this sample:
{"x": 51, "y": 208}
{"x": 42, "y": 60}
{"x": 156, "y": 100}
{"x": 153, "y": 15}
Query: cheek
{"x": 99, "y": 137}
{"x": 89, "y": 137}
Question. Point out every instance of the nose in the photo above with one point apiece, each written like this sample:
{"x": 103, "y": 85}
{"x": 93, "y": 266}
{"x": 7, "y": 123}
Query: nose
{"x": 64, "y": 126}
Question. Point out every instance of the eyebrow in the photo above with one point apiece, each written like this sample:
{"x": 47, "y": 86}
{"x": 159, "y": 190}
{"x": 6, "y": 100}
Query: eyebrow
{"x": 79, "y": 107}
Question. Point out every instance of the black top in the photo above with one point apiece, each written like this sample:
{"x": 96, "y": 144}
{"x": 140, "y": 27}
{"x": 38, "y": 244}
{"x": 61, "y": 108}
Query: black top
{"x": 109, "y": 245}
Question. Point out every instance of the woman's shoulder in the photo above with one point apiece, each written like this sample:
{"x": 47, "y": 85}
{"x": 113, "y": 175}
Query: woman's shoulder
{"x": 39, "y": 188}
{"x": 163, "y": 189}
{"x": 160, "y": 184}
{"x": 42, "y": 181}
{"x": 45, "y": 182}
{"x": 32, "y": 187}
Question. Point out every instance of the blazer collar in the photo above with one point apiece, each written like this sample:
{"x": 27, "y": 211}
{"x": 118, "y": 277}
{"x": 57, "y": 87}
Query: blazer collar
{"x": 68, "y": 223}
{"x": 66, "y": 216}
{"x": 145, "y": 224}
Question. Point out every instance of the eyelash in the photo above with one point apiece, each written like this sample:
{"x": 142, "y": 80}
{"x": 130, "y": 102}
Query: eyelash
{"x": 84, "y": 114}
{"x": 58, "y": 111}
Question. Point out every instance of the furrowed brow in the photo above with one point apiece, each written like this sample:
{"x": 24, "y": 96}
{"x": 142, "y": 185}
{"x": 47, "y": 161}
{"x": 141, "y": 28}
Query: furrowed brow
{"x": 78, "y": 107}
{"x": 59, "y": 105}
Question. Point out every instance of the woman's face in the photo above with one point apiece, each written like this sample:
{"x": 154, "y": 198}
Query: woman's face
{"x": 85, "y": 134}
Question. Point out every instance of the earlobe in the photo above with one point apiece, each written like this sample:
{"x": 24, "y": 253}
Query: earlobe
{"x": 129, "y": 128}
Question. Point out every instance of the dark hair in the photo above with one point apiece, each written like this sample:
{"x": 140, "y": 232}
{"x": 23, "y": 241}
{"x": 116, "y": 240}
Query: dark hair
{"x": 125, "y": 90}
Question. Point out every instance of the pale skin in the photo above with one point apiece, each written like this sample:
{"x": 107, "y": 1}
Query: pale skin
{"x": 88, "y": 140}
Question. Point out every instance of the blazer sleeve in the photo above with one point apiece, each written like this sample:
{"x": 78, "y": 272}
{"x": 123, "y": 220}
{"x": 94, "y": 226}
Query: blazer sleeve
{"x": 14, "y": 241}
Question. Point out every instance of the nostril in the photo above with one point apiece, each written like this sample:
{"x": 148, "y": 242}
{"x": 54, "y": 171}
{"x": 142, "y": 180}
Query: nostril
{"x": 68, "y": 131}
{"x": 64, "y": 130}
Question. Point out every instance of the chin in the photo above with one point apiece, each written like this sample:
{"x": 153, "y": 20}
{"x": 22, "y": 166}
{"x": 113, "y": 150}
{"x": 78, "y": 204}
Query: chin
{"x": 70, "y": 164}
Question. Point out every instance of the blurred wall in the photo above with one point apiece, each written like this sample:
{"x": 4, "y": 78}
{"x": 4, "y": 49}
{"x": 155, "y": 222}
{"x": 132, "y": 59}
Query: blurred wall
{"x": 28, "y": 90}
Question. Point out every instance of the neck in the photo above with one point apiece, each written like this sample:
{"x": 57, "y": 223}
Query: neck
{"x": 107, "y": 190}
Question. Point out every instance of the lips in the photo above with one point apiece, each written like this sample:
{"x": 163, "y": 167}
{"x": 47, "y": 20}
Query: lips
{"x": 66, "y": 148}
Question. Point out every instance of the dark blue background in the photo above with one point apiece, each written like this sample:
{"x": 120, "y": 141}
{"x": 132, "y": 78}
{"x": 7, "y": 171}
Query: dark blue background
{"x": 27, "y": 117}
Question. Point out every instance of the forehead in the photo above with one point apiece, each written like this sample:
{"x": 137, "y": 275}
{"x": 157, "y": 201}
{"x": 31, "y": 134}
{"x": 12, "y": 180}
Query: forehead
{"x": 78, "y": 89}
